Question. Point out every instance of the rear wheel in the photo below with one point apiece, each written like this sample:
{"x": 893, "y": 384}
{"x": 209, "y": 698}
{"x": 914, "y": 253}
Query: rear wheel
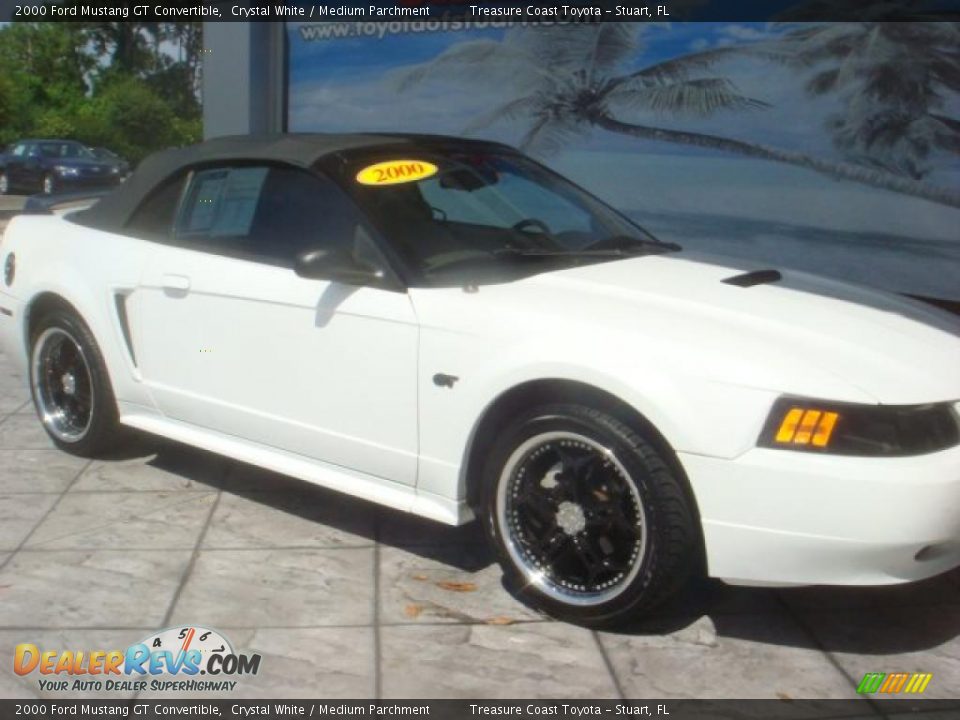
{"x": 70, "y": 387}
{"x": 588, "y": 520}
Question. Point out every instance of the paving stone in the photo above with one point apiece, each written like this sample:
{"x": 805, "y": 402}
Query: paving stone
{"x": 900, "y": 639}
{"x": 279, "y": 588}
{"x": 96, "y": 588}
{"x": 151, "y": 467}
{"x": 24, "y": 432}
{"x": 11, "y": 383}
{"x": 400, "y": 528}
{"x": 38, "y": 471}
{"x": 12, "y": 400}
{"x": 19, "y": 514}
{"x": 27, "y": 686}
{"x": 713, "y": 597}
{"x": 303, "y": 519}
{"x": 453, "y": 584}
{"x": 538, "y": 660}
{"x": 939, "y": 590}
{"x": 124, "y": 521}
{"x": 244, "y": 479}
{"x": 337, "y": 663}
{"x": 728, "y": 656}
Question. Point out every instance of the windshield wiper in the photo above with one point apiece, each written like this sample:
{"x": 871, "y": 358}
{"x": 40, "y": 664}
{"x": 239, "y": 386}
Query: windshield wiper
{"x": 631, "y": 247}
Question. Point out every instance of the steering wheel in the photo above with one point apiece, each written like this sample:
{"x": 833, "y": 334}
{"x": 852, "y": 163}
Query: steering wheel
{"x": 532, "y": 224}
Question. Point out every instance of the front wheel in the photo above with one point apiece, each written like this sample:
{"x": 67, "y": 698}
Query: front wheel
{"x": 589, "y": 521}
{"x": 4, "y": 184}
{"x": 49, "y": 185}
{"x": 70, "y": 386}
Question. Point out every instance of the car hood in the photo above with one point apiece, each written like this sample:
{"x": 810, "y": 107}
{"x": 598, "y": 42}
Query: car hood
{"x": 798, "y": 333}
{"x": 83, "y": 163}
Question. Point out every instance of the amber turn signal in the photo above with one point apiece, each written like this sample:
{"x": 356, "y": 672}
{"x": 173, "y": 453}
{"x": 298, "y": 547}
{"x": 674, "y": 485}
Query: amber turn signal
{"x": 805, "y": 426}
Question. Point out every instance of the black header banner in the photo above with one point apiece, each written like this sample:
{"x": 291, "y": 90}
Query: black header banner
{"x": 466, "y": 709}
{"x": 486, "y": 11}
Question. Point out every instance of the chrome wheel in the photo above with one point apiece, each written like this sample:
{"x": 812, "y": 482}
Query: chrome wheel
{"x": 4, "y": 184}
{"x": 571, "y": 518}
{"x": 62, "y": 385}
{"x": 48, "y": 185}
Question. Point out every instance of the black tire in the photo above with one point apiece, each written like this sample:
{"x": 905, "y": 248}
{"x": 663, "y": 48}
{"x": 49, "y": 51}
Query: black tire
{"x": 48, "y": 186}
{"x": 647, "y": 555}
{"x": 101, "y": 425}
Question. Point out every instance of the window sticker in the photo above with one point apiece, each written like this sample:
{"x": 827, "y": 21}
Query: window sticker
{"x": 393, "y": 172}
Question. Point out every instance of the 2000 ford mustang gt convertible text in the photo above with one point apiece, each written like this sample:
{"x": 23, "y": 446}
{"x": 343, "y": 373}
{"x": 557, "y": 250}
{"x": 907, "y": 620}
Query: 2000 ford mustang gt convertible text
{"x": 446, "y": 327}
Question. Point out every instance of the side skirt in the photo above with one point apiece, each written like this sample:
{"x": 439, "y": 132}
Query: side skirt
{"x": 349, "y": 482}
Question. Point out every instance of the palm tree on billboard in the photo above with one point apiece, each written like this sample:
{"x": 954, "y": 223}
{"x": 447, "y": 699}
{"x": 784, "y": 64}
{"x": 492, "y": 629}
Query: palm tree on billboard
{"x": 565, "y": 82}
{"x": 894, "y": 80}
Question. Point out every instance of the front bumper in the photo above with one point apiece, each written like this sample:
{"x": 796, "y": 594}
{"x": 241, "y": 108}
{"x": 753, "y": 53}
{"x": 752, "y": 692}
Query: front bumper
{"x": 86, "y": 182}
{"x": 776, "y": 516}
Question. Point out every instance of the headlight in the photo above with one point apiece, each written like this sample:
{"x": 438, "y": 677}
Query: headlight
{"x": 114, "y": 170}
{"x": 67, "y": 171}
{"x": 865, "y": 430}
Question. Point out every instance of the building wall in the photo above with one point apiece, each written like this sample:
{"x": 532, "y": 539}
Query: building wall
{"x": 243, "y": 78}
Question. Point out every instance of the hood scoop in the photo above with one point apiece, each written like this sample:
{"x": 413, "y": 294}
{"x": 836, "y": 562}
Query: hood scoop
{"x": 755, "y": 277}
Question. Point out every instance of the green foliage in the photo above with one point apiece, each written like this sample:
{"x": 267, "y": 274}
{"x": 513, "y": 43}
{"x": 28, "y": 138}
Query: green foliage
{"x": 106, "y": 84}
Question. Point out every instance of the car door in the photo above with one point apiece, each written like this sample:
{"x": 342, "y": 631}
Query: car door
{"x": 229, "y": 338}
{"x": 33, "y": 167}
{"x": 15, "y": 162}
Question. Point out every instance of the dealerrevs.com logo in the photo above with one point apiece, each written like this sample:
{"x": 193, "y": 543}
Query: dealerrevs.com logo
{"x": 184, "y": 659}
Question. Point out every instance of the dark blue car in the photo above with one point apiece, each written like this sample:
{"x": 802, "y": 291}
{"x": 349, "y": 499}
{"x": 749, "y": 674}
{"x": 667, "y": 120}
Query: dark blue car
{"x": 53, "y": 166}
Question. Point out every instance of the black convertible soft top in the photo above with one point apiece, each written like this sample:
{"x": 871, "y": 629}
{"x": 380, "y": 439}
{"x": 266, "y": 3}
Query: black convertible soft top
{"x": 302, "y": 149}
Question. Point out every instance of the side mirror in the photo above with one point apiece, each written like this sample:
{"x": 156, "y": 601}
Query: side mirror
{"x": 338, "y": 265}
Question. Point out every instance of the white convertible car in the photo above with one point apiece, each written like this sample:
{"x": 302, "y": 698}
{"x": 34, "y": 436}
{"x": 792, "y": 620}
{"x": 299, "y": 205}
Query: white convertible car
{"x": 446, "y": 327}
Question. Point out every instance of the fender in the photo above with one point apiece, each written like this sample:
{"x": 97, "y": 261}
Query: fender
{"x": 705, "y": 418}
{"x": 54, "y": 259}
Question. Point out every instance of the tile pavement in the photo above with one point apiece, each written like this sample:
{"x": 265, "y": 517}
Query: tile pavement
{"x": 347, "y": 600}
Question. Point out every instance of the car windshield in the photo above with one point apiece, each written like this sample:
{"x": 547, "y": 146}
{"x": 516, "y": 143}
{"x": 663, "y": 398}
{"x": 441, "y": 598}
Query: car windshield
{"x": 102, "y": 153}
{"x": 63, "y": 150}
{"x": 486, "y": 215}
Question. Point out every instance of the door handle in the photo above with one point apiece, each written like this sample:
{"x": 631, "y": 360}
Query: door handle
{"x": 176, "y": 282}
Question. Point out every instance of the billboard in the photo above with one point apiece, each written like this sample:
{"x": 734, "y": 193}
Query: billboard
{"x": 826, "y": 147}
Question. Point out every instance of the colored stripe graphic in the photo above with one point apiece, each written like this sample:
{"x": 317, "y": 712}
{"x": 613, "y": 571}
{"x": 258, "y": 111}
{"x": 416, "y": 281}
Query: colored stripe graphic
{"x": 871, "y": 683}
{"x": 892, "y": 683}
{"x": 918, "y": 683}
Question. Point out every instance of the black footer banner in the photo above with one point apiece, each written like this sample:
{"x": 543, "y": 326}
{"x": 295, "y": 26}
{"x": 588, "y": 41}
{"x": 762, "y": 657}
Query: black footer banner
{"x": 459, "y": 709}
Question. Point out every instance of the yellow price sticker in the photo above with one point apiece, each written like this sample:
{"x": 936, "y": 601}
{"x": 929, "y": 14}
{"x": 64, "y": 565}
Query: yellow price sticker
{"x": 393, "y": 172}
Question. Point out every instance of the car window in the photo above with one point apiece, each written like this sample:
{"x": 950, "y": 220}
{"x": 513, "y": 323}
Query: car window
{"x": 154, "y": 218}
{"x": 19, "y": 150}
{"x": 512, "y": 200}
{"x": 264, "y": 214}
{"x": 221, "y": 203}
{"x": 57, "y": 150}
{"x": 483, "y": 213}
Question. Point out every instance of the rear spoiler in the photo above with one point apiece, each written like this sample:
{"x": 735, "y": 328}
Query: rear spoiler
{"x": 50, "y": 204}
